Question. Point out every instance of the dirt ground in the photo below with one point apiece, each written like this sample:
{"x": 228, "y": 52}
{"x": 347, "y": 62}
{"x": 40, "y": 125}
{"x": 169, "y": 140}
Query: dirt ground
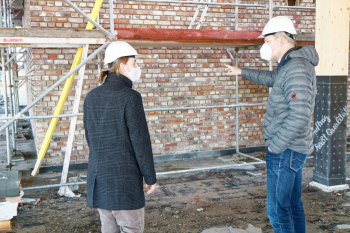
{"x": 190, "y": 202}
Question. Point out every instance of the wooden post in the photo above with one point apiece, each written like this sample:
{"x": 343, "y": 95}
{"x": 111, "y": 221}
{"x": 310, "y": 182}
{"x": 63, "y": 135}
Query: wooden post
{"x": 5, "y": 225}
{"x": 330, "y": 116}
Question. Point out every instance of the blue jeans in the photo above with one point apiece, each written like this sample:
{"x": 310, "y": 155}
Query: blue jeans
{"x": 284, "y": 206}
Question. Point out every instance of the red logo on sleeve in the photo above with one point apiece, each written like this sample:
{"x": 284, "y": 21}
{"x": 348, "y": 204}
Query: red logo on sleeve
{"x": 294, "y": 96}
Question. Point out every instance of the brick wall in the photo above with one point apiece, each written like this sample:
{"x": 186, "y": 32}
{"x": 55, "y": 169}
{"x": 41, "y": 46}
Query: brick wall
{"x": 57, "y": 14}
{"x": 172, "y": 77}
{"x": 46, "y": 67}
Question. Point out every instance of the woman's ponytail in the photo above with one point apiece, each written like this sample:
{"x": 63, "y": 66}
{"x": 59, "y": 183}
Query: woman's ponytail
{"x": 102, "y": 77}
{"x": 115, "y": 69}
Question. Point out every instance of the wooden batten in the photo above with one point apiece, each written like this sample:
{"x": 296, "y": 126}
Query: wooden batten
{"x": 332, "y": 36}
{"x": 5, "y": 225}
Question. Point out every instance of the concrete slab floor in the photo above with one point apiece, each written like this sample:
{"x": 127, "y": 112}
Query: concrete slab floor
{"x": 212, "y": 201}
{"x": 228, "y": 200}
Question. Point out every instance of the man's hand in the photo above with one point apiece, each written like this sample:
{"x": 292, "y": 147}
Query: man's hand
{"x": 150, "y": 187}
{"x": 232, "y": 70}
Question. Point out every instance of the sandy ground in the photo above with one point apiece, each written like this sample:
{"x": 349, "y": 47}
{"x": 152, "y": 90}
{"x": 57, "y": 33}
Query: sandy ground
{"x": 191, "y": 202}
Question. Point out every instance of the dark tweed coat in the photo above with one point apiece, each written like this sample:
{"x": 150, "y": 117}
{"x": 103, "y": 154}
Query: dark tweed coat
{"x": 120, "y": 147}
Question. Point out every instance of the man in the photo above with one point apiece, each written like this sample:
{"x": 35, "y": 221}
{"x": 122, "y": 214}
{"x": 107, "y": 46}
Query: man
{"x": 287, "y": 124}
{"x": 120, "y": 152}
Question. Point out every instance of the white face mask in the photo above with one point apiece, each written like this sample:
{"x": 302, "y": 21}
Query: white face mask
{"x": 135, "y": 74}
{"x": 266, "y": 51}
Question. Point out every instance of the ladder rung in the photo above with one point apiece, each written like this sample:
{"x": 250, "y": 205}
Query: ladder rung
{"x": 201, "y": 7}
{"x": 195, "y": 23}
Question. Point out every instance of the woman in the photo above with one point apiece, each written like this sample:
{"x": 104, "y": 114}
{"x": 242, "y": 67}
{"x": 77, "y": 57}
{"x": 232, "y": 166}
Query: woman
{"x": 120, "y": 152}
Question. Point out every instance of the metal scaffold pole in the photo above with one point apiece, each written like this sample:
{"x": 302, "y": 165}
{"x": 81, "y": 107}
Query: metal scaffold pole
{"x": 24, "y": 110}
{"x": 91, "y": 20}
{"x": 73, "y": 122}
{"x": 270, "y": 17}
{"x": 146, "y": 110}
{"x": 12, "y": 80}
{"x": 67, "y": 85}
{"x": 111, "y": 17}
{"x": 4, "y": 84}
{"x": 237, "y": 102}
{"x": 9, "y": 76}
{"x": 236, "y": 16}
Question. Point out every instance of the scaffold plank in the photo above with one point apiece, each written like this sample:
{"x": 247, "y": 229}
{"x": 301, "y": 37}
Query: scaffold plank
{"x": 50, "y": 33}
{"x": 33, "y": 41}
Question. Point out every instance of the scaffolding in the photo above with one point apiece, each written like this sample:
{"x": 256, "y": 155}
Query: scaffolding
{"x": 12, "y": 82}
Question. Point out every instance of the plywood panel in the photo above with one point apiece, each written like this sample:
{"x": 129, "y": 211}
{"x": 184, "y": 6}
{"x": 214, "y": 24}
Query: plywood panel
{"x": 332, "y": 36}
{"x": 5, "y": 225}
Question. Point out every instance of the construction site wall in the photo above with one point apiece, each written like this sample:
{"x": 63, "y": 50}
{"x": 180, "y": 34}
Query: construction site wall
{"x": 171, "y": 76}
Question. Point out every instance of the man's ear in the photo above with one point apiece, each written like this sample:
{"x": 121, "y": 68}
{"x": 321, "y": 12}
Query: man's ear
{"x": 283, "y": 41}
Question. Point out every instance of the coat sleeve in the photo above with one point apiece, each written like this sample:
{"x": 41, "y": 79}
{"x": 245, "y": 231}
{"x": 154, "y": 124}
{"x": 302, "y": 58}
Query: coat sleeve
{"x": 262, "y": 77}
{"x": 140, "y": 138}
{"x": 298, "y": 93}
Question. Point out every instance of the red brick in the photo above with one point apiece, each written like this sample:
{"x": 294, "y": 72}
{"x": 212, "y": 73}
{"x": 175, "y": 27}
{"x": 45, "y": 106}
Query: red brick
{"x": 121, "y": 21}
{"x": 171, "y": 144}
{"x": 36, "y": 19}
{"x": 49, "y": 8}
{"x": 53, "y": 72}
{"x": 194, "y": 88}
{"x": 162, "y": 80}
{"x": 59, "y": 20}
{"x": 208, "y": 88}
{"x": 53, "y": 51}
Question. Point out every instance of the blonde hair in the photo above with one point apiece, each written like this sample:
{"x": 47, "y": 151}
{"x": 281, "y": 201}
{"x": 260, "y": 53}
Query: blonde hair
{"x": 115, "y": 68}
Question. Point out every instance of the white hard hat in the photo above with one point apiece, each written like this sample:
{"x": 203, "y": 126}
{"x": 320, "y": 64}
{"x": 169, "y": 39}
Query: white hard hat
{"x": 118, "y": 49}
{"x": 278, "y": 24}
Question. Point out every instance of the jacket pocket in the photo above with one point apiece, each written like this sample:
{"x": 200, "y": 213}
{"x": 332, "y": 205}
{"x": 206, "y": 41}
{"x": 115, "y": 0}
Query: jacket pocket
{"x": 297, "y": 160}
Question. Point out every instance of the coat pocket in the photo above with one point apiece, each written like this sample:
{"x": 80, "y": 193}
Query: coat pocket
{"x": 297, "y": 160}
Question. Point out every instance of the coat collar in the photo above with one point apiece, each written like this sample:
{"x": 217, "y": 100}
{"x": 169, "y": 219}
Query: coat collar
{"x": 284, "y": 57}
{"x": 112, "y": 77}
